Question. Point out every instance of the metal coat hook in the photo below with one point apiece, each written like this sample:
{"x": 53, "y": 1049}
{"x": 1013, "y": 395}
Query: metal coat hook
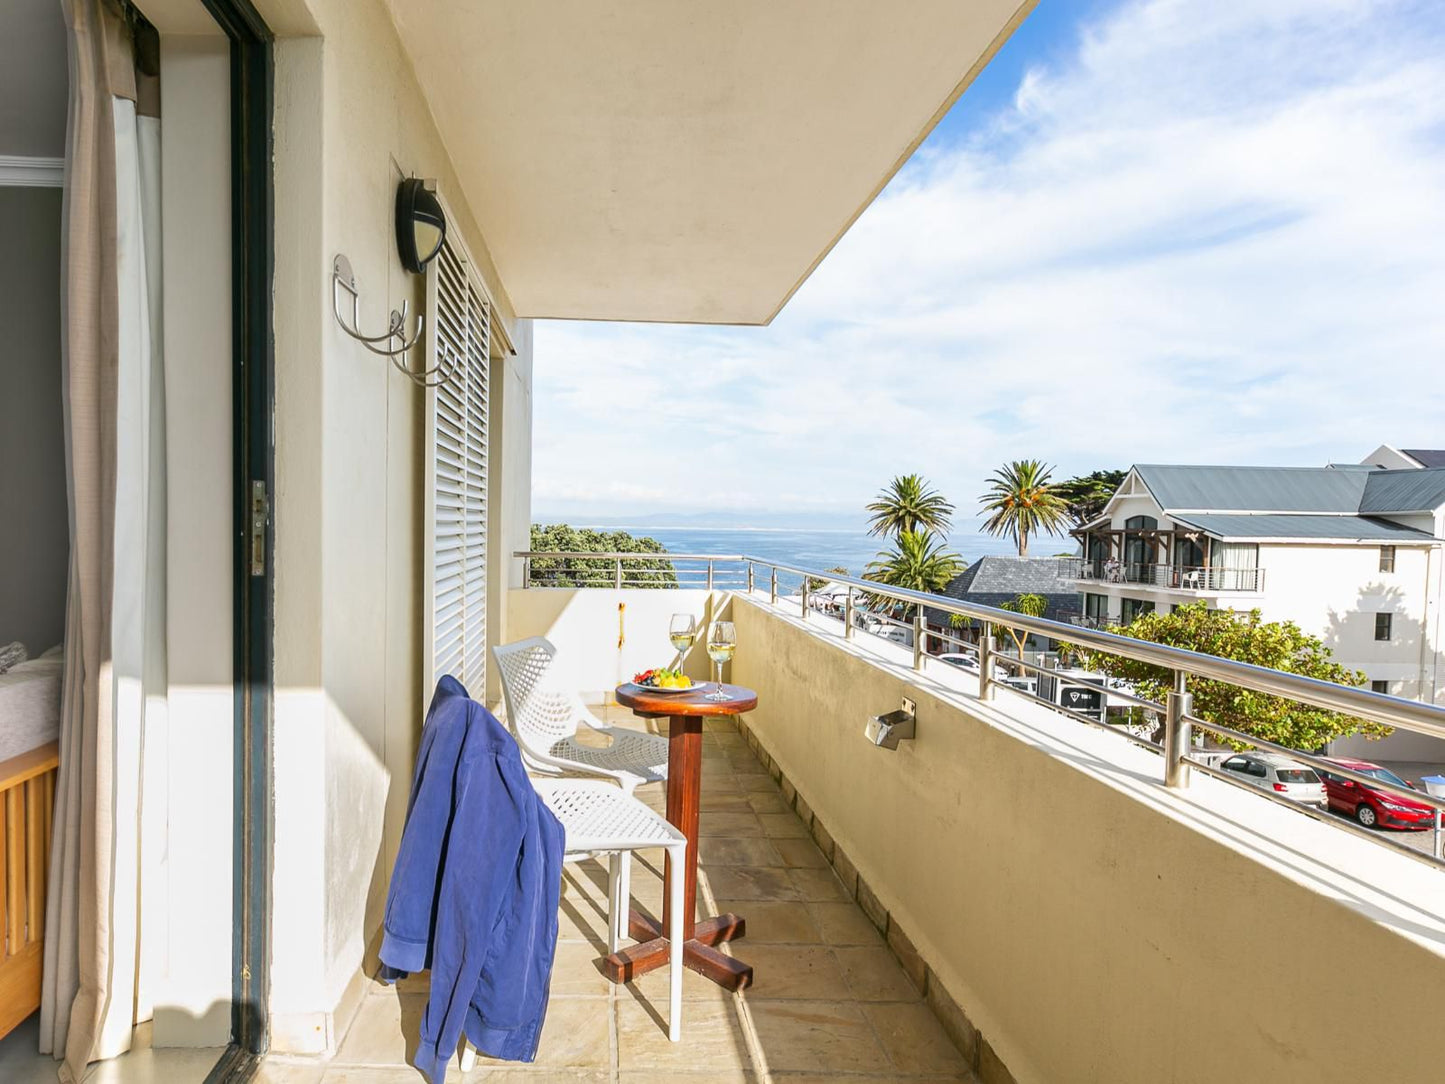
{"x": 342, "y": 278}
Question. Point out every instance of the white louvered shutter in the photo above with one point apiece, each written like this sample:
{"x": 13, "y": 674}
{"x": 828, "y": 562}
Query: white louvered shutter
{"x": 456, "y": 543}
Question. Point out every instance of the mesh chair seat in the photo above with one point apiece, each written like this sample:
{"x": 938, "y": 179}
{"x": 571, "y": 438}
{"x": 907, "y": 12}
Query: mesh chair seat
{"x": 597, "y": 816}
{"x": 641, "y": 755}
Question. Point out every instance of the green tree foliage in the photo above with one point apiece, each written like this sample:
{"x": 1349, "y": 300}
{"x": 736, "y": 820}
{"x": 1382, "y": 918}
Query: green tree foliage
{"x": 917, "y": 561}
{"x": 817, "y": 583}
{"x": 1280, "y": 645}
{"x": 1085, "y": 495}
{"x": 1028, "y": 605}
{"x": 568, "y": 571}
{"x": 909, "y": 503}
{"x": 1021, "y": 501}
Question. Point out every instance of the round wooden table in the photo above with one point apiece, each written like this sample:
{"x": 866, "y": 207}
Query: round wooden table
{"x": 685, "y": 713}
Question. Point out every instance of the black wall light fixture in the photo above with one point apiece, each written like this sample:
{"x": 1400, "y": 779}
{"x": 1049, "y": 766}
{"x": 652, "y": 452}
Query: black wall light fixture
{"x": 421, "y": 227}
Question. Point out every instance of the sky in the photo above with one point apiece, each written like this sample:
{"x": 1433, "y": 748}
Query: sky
{"x": 1177, "y": 231}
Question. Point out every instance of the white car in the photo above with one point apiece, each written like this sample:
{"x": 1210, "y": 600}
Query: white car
{"x": 963, "y": 662}
{"x": 1271, "y": 771}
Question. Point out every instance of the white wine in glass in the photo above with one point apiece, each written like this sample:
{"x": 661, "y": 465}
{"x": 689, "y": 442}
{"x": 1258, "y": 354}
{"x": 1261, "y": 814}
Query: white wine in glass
{"x": 683, "y": 632}
{"x": 720, "y": 647}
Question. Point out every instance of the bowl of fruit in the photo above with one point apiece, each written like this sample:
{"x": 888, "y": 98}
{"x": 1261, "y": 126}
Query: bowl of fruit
{"x": 663, "y": 680}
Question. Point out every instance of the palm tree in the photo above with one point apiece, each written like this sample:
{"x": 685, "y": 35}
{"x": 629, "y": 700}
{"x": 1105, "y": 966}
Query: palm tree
{"x": 917, "y": 562}
{"x": 1023, "y": 502}
{"x": 909, "y": 504}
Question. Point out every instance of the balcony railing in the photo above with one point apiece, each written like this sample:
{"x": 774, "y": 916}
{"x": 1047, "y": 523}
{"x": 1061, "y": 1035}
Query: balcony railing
{"x": 1172, "y": 577}
{"x": 860, "y": 603}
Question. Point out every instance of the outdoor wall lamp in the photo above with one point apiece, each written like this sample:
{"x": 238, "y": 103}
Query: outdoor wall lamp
{"x": 421, "y": 226}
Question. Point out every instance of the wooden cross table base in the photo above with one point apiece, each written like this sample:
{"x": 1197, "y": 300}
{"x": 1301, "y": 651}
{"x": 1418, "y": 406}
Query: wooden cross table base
{"x": 685, "y": 713}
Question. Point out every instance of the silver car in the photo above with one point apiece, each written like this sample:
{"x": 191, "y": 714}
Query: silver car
{"x": 1271, "y": 771}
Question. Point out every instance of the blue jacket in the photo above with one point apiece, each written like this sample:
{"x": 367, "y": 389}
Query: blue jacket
{"x": 475, "y": 889}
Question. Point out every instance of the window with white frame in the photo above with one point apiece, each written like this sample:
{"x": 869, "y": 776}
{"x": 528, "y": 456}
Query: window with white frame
{"x": 456, "y": 434}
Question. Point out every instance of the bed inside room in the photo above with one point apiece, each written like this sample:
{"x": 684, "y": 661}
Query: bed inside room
{"x": 34, "y": 522}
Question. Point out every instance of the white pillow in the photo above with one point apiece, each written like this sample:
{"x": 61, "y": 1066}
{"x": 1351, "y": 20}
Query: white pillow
{"x": 11, "y": 654}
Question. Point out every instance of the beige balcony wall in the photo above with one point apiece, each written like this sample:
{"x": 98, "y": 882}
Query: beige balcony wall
{"x": 1094, "y": 926}
{"x": 350, "y": 122}
{"x": 584, "y": 627}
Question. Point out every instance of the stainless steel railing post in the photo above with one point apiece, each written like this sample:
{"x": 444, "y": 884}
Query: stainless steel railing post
{"x": 526, "y": 572}
{"x": 750, "y": 577}
{"x": 985, "y": 662}
{"x": 617, "y": 575}
{"x": 805, "y": 598}
{"x": 773, "y": 588}
{"x": 918, "y": 638}
{"x": 848, "y": 616}
{"x": 709, "y": 573}
{"x": 1177, "y": 733}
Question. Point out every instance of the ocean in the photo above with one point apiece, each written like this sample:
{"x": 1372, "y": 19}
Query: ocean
{"x": 820, "y": 549}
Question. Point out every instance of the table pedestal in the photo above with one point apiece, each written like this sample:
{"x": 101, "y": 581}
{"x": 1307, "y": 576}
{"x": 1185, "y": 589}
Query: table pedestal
{"x": 684, "y": 792}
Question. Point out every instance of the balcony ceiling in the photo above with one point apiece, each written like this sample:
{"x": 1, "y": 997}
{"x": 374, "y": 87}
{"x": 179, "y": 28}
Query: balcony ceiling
{"x": 673, "y": 160}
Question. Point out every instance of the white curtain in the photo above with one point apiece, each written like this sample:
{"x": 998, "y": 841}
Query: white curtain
{"x": 115, "y": 443}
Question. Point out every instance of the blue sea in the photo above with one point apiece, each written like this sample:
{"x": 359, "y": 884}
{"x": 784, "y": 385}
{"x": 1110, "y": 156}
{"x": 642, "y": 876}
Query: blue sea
{"x": 820, "y": 549}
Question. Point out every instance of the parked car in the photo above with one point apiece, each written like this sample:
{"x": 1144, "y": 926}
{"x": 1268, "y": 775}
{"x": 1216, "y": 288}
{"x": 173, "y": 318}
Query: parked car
{"x": 1271, "y": 771}
{"x": 1375, "y": 808}
{"x": 963, "y": 662}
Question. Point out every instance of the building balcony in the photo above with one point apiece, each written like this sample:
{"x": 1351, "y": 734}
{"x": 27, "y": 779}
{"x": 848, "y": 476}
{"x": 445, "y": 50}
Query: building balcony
{"x": 1008, "y": 862}
{"x": 1194, "y": 579}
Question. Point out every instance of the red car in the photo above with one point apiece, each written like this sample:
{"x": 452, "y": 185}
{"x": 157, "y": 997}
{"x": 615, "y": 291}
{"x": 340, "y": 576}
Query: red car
{"x": 1375, "y": 808}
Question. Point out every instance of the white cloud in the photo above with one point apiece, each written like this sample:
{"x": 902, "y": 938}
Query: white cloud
{"x": 1215, "y": 233}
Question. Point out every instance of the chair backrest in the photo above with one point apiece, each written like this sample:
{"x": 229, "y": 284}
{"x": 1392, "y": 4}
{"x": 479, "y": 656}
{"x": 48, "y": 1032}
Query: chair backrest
{"x": 538, "y": 713}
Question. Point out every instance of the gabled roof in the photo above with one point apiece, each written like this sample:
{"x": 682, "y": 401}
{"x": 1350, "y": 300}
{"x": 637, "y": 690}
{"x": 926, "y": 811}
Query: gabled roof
{"x": 1255, "y": 489}
{"x": 1332, "y": 528}
{"x": 1350, "y": 491}
{"x": 992, "y": 581}
{"x": 1398, "y": 491}
{"x": 1426, "y": 457}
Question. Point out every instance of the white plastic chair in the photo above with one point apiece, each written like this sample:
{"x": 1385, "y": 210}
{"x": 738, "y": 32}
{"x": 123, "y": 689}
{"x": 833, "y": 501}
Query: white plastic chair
{"x": 597, "y": 818}
{"x": 544, "y": 719}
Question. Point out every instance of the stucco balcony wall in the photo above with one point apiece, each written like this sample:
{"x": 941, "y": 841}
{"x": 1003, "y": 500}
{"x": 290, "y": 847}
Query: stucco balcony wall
{"x": 1090, "y": 924}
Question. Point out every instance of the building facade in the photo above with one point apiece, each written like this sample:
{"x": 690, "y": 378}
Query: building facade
{"x": 1350, "y": 553}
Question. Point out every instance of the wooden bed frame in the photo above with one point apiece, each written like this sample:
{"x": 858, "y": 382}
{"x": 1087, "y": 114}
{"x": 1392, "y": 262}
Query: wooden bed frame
{"x": 27, "y": 806}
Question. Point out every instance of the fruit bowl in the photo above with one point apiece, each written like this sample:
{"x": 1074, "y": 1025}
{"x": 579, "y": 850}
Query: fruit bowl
{"x": 663, "y": 680}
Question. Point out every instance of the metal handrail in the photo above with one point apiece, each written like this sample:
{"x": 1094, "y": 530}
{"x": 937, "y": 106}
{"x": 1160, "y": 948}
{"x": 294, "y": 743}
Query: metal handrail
{"x": 1383, "y": 708}
{"x": 1177, "y": 711}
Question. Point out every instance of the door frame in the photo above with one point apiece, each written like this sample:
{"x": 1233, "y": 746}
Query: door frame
{"x": 253, "y": 465}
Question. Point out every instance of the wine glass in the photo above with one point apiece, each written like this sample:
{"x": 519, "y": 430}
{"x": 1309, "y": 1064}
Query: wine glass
{"x": 720, "y": 647}
{"x": 682, "y": 631}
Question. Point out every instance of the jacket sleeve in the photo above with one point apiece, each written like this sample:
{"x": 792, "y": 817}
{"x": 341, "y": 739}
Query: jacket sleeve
{"x": 407, "y": 931}
{"x": 480, "y": 866}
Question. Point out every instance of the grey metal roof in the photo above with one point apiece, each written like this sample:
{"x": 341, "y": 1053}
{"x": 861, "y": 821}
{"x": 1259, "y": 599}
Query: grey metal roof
{"x": 1426, "y": 457}
{"x": 1340, "y": 528}
{"x": 1404, "y": 491}
{"x": 992, "y": 581}
{"x": 1248, "y": 489}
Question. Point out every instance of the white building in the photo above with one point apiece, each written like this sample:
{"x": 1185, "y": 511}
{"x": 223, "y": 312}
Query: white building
{"x": 1351, "y": 553}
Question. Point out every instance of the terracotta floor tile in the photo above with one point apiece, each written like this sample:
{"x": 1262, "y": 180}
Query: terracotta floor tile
{"x": 749, "y": 883}
{"x": 872, "y": 974}
{"x": 782, "y": 825}
{"x": 844, "y": 924}
{"x": 768, "y": 801}
{"x": 802, "y": 853}
{"x": 820, "y": 885}
{"x": 772, "y": 922}
{"x": 576, "y": 1035}
{"x": 722, "y": 851}
{"x": 758, "y": 784}
{"x": 914, "y": 1039}
{"x": 816, "y": 1036}
{"x": 734, "y": 825}
{"x": 712, "y": 1038}
{"x": 791, "y": 971}
{"x": 384, "y": 1032}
